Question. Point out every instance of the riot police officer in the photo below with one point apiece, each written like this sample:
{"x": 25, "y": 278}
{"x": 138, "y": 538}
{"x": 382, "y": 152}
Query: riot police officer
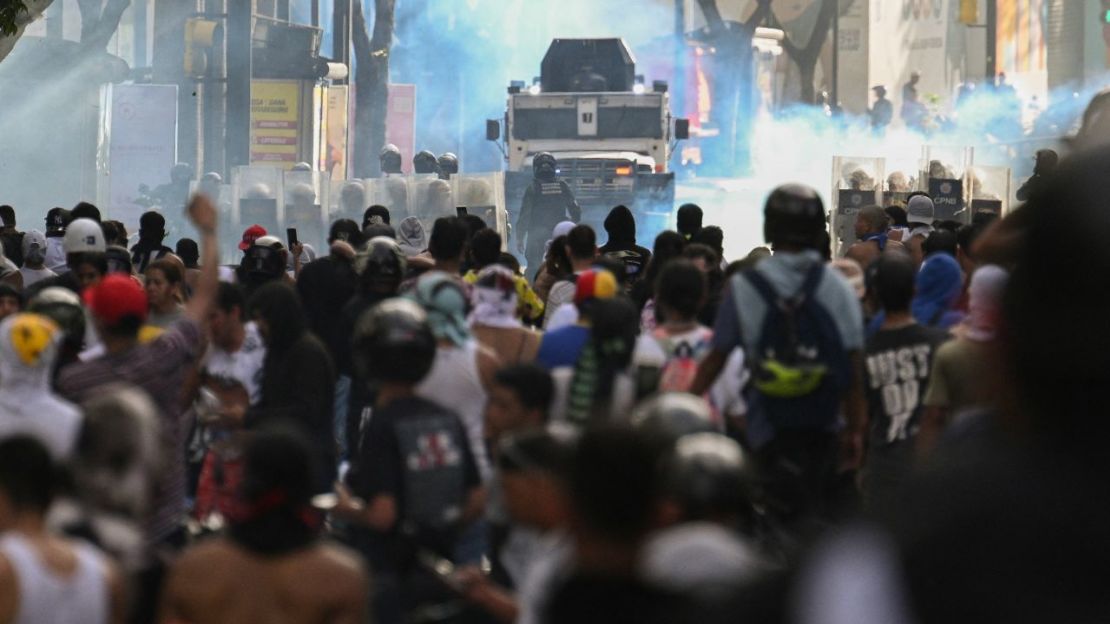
{"x": 425, "y": 162}
{"x": 390, "y": 159}
{"x": 547, "y": 202}
{"x": 448, "y": 164}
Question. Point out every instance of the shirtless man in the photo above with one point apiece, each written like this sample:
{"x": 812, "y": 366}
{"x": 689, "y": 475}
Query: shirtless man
{"x": 270, "y": 568}
{"x": 45, "y": 578}
{"x": 871, "y": 227}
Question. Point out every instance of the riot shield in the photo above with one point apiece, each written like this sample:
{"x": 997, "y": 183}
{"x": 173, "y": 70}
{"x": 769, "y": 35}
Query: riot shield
{"x": 856, "y": 182}
{"x": 945, "y": 170}
{"x": 222, "y": 197}
{"x": 483, "y": 195}
{"x": 306, "y": 194}
{"x": 393, "y": 192}
{"x": 348, "y": 200}
{"x": 430, "y": 198}
{"x": 990, "y": 190}
{"x": 257, "y": 195}
{"x": 903, "y": 178}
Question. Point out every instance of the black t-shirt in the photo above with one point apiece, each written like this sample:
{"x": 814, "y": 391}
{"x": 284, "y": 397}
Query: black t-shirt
{"x": 585, "y": 598}
{"x": 897, "y": 367}
{"x": 418, "y": 453}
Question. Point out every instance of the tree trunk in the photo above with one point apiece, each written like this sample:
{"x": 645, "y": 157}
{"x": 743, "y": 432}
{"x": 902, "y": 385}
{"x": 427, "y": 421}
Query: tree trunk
{"x": 806, "y": 57}
{"x": 807, "y": 74}
{"x": 99, "y": 24}
{"x": 371, "y": 85}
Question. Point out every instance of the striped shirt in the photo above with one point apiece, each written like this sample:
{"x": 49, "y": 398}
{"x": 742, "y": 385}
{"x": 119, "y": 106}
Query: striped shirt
{"x": 159, "y": 368}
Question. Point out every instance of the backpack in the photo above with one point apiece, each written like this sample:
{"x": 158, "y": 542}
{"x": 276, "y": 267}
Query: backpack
{"x": 678, "y": 373}
{"x": 799, "y": 366}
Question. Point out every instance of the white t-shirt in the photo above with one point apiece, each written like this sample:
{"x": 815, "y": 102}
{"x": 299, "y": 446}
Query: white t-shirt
{"x": 56, "y": 255}
{"x": 552, "y": 561}
{"x": 726, "y": 393}
{"x": 454, "y": 383}
{"x": 30, "y": 276}
{"x": 698, "y": 556}
{"x": 561, "y": 293}
{"x": 243, "y": 366}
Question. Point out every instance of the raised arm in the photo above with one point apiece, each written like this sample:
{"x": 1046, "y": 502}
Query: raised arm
{"x": 203, "y": 215}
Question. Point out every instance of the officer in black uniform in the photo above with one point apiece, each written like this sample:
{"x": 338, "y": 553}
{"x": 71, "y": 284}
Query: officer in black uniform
{"x": 448, "y": 164}
{"x": 547, "y": 202}
{"x": 425, "y": 162}
{"x": 413, "y": 483}
{"x": 390, "y": 159}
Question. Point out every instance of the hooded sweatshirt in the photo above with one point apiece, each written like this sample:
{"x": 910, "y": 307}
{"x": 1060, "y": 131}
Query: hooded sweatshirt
{"x": 412, "y": 237}
{"x": 939, "y": 283}
{"x": 29, "y": 346}
{"x": 621, "y": 227}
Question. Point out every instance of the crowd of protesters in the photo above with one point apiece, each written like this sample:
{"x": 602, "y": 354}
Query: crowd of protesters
{"x": 412, "y": 428}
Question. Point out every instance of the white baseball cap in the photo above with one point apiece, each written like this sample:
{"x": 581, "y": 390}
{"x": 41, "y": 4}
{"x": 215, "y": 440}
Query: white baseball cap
{"x": 920, "y": 209}
{"x": 33, "y": 237}
{"x": 269, "y": 241}
{"x": 84, "y": 235}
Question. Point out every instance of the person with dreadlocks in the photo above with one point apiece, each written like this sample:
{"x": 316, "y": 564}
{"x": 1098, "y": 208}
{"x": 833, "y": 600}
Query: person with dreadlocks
{"x": 601, "y": 382}
{"x": 271, "y": 565}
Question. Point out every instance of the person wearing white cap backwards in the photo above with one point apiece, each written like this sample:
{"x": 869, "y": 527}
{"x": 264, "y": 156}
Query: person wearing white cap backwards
{"x": 919, "y": 215}
{"x": 34, "y": 257}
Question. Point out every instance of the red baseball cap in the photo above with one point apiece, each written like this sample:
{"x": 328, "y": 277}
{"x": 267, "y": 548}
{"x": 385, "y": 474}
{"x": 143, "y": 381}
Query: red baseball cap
{"x": 250, "y": 235}
{"x": 115, "y": 297}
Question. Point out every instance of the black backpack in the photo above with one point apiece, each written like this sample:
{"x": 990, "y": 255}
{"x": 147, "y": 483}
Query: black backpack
{"x": 799, "y": 366}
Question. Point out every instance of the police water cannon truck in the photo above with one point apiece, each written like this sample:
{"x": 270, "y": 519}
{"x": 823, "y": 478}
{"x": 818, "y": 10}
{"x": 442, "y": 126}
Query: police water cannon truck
{"x": 611, "y": 133}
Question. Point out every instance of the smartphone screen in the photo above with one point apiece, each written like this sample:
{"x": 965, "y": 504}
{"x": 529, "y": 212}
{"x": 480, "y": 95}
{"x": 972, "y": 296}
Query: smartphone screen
{"x": 291, "y": 235}
{"x": 461, "y": 211}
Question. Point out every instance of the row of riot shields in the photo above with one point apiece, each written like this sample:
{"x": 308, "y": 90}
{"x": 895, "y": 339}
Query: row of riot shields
{"x": 426, "y": 197}
{"x": 959, "y": 188}
{"x": 310, "y": 201}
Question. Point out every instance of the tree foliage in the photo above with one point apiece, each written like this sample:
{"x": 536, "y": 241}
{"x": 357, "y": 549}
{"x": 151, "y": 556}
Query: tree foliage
{"x": 10, "y": 11}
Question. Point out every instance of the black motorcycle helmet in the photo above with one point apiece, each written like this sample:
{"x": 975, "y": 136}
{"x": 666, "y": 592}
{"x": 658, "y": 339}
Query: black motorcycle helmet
{"x": 390, "y": 159}
{"x": 544, "y": 166}
{"x": 393, "y": 342}
{"x": 673, "y": 414}
{"x": 425, "y": 162}
{"x": 62, "y": 306}
{"x": 448, "y": 164}
{"x": 262, "y": 263}
{"x": 381, "y": 266}
{"x": 181, "y": 173}
{"x": 709, "y": 476}
{"x": 119, "y": 259}
{"x": 794, "y": 215}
